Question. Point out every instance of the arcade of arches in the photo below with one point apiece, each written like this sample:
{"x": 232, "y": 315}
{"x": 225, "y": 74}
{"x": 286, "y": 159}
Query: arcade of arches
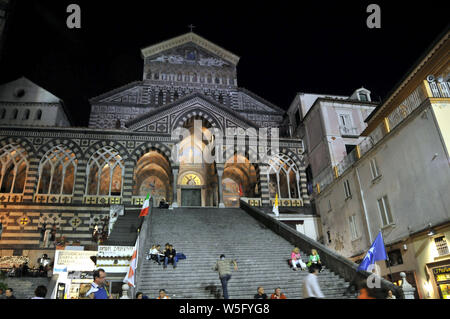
{"x": 189, "y": 181}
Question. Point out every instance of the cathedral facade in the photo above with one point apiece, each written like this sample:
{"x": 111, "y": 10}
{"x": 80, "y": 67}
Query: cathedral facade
{"x": 186, "y": 134}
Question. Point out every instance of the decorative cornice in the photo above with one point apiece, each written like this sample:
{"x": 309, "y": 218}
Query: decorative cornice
{"x": 186, "y": 38}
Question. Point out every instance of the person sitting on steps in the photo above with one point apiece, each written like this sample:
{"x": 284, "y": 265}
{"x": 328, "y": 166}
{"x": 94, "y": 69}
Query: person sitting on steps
{"x": 155, "y": 254}
{"x": 296, "y": 259}
{"x": 314, "y": 258}
{"x": 170, "y": 256}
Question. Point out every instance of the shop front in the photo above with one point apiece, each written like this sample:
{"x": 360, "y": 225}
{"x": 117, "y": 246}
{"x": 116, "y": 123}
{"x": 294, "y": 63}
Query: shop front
{"x": 441, "y": 276}
{"x": 75, "y": 273}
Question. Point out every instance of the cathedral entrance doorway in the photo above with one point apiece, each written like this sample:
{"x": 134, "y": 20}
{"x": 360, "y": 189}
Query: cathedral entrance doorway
{"x": 197, "y": 183}
{"x": 191, "y": 197}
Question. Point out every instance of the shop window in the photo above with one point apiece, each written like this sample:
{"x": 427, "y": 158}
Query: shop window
{"x": 441, "y": 245}
{"x": 395, "y": 258}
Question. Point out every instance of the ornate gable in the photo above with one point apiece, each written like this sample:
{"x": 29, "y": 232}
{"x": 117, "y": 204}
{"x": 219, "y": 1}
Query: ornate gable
{"x": 213, "y": 49}
{"x": 169, "y": 117}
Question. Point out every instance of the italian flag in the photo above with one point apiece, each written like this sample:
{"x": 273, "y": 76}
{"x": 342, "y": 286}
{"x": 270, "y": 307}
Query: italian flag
{"x": 144, "y": 211}
{"x": 130, "y": 276}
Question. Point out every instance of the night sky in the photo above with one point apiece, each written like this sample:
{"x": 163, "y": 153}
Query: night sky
{"x": 284, "y": 48}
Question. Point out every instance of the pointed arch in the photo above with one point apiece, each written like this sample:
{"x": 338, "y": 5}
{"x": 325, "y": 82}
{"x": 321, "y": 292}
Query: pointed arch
{"x": 104, "y": 172}
{"x": 57, "y": 170}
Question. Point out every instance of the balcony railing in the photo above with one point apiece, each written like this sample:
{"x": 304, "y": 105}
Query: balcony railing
{"x": 102, "y": 200}
{"x": 287, "y": 202}
{"x": 10, "y": 198}
{"x": 52, "y": 199}
{"x": 440, "y": 89}
{"x": 348, "y": 131}
{"x": 252, "y": 201}
{"x": 412, "y": 102}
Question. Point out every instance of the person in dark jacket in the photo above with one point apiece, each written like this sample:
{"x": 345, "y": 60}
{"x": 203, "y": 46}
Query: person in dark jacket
{"x": 170, "y": 256}
{"x": 10, "y": 294}
{"x": 260, "y": 294}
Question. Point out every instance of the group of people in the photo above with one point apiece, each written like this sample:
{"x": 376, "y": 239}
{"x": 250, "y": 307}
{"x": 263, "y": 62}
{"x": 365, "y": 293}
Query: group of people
{"x": 296, "y": 260}
{"x": 39, "y": 293}
{"x": 24, "y": 270}
{"x": 311, "y": 288}
{"x": 168, "y": 255}
{"x": 162, "y": 295}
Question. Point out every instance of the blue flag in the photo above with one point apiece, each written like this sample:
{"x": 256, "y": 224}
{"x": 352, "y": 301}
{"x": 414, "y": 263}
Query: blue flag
{"x": 375, "y": 253}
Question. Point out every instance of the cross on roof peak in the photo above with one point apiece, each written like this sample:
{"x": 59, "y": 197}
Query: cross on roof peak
{"x": 191, "y": 26}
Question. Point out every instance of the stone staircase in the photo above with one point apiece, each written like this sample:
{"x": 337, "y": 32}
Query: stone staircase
{"x": 203, "y": 234}
{"x": 124, "y": 232}
{"x": 23, "y": 287}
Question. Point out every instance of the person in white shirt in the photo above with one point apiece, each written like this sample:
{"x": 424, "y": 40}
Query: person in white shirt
{"x": 311, "y": 288}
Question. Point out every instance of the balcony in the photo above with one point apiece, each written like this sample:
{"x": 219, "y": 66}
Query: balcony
{"x": 440, "y": 89}
{"x": 348, "y": 131}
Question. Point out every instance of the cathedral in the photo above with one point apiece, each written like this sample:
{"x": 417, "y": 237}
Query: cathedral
{"x": 186, "y": 134}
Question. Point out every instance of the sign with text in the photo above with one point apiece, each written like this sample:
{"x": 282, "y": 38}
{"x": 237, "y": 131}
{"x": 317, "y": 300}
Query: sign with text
{"x": 71, "y": 260}
{"x": 115, "y": 251}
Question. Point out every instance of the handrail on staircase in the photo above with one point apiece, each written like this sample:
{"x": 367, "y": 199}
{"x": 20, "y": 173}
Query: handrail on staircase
{"x": 336, "y": 263}
{"x": 143, "y": 235}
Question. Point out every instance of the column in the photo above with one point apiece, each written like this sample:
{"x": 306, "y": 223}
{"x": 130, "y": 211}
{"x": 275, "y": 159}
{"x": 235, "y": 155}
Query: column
{"x": 31, "y": 181}
{"x": 174, "y": 188}
{"x": 264, "y": 183}
{"x": 219, "y": 175}
{"x": 80, "y": 182}
{"x": 128, "y": 175}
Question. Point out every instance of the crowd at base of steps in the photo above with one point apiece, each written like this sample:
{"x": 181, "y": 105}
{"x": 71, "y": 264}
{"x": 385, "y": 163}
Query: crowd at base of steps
{"x": 311, "y": 288}
{"x": 39, "y": 293}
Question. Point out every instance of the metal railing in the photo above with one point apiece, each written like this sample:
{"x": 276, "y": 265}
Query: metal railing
{"x": 440, "y": 89}
{"x": 348, "y": 131}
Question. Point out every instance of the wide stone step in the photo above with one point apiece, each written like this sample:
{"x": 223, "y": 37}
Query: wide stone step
{"x": 204, "y": 234}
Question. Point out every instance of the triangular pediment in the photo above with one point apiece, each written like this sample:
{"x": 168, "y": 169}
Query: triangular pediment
{"x": 23, "y": 90}
{"x": 167, "y": 118}
{"x": 216, "y": 52}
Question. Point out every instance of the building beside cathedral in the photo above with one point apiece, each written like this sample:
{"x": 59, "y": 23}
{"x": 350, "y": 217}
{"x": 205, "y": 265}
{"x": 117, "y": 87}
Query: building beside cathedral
{"x": 148, "y": 137}
{"x": 396, "y": 180}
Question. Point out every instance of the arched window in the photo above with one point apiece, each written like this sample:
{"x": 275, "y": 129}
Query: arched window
{"x": 156, "y": 76}
{"x": 14, "y": 114}
{"x": 57, "y": 171}
{"x": 3, "y": 114}
{"x": 209, "y": 78}
{"x": 194, "y": 78}
{"x": 13, "y": 169}
{"x": 26, "y": 115}
{"x": 104, "y": 172}
{"x": 179, "y": 77}
{"x": 217, "y": 80}
{"x": 175, "y": 96}
{"x": 38, "y": 114}
{"x": 283, "y": 176}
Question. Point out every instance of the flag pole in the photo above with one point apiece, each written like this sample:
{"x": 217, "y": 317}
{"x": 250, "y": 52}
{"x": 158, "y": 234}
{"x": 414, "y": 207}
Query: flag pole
{"x": 387, "y": 255}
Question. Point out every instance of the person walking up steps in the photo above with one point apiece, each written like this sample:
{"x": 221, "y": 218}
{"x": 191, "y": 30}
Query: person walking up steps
{"x": 311, "y": 288}
{"x": 223, "y": 267}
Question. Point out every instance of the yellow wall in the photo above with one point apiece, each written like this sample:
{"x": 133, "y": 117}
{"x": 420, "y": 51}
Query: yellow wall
{"x": 442, "y": 113}
{"x": 425, "y": 251}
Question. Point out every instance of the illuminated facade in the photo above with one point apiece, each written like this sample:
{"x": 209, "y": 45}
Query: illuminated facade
{"x": 56, "y": 174}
